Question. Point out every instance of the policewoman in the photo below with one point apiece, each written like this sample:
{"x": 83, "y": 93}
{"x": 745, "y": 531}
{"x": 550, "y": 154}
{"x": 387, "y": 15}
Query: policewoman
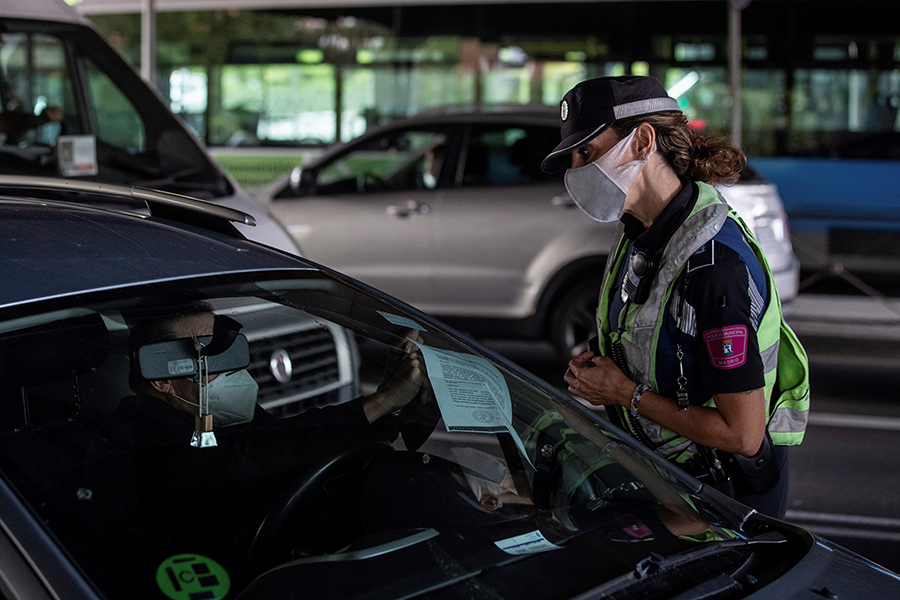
{"x": 693, "y": 356}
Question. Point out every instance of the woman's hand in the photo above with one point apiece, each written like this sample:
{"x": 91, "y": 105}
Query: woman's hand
{"x": 598, "y": 380}
{"x": 736, "y": 424}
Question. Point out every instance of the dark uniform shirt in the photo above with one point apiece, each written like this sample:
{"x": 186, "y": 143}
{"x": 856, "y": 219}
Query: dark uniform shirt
{"x": 725, "y": 295}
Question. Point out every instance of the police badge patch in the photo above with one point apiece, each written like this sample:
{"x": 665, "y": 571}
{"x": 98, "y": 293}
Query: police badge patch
{"x": 727, "y": 346}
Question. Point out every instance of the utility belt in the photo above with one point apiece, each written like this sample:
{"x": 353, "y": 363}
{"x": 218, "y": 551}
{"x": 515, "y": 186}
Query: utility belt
{"x": 730, "y": 473}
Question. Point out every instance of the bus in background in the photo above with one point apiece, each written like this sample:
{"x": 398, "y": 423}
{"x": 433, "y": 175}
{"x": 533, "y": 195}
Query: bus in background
{"x": 824, "y": 128}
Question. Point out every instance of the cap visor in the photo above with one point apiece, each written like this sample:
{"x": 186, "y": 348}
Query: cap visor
{"x": 561, "y": 155}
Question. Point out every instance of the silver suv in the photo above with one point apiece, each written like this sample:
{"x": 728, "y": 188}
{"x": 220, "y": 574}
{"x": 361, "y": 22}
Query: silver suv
{"x": 450, "y": 211}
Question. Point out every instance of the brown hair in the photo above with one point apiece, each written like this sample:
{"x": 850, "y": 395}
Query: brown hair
{"x": 690, "y": 153}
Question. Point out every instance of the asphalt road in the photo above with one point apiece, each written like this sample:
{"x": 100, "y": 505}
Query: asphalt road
{"x": 845, "y": 477}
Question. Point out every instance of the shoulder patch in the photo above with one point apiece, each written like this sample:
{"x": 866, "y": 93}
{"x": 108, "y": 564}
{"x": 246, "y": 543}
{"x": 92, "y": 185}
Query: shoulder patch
{"x": 705, "y": 256}
{"x": 727, "y": 346}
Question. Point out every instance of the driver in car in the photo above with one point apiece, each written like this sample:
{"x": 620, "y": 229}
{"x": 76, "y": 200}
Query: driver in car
{"x": 166, "y": 481}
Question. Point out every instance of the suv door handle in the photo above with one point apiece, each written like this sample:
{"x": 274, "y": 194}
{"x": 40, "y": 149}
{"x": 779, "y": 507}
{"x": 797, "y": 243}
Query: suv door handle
{"x": 563, "y": 201}
{"x": 403, "y": 211}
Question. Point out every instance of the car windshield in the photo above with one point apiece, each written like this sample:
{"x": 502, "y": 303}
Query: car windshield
{"x": 485, "y": 468}
{"x": 70, "y": 107}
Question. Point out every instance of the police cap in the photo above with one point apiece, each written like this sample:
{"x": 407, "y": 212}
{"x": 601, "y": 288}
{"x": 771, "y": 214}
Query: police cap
{"x": 590, "y": 107}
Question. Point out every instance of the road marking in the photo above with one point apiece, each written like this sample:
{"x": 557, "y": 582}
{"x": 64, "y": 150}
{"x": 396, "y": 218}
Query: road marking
{"x": 829, "y": 525}
{"x": 854, "y": 421}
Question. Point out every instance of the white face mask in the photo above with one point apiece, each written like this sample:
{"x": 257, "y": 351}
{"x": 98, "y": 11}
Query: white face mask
{"x": 600, "y": 188}
{"x": 231, "y": 398}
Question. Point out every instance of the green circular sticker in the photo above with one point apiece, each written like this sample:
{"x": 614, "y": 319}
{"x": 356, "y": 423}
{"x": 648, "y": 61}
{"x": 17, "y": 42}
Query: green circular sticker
{"x": 192, "y": 577}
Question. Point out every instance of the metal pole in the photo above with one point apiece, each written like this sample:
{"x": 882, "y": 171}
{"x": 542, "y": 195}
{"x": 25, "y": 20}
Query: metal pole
{"x": 148, "y": 41}
{"x": 734, "y": 66}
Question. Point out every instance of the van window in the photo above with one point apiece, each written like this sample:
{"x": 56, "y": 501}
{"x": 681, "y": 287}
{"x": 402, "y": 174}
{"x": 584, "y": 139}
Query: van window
{"x": 58, "y": 80}
{"x": 33, "y": 77}
{"x": 118, "y": 122}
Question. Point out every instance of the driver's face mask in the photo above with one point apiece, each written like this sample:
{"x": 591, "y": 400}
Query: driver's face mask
{"x": 230, "y": 398}
{"x": 600, "y": 188}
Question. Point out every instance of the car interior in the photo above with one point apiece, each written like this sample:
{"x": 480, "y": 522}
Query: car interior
{"x": 371, "y": 513}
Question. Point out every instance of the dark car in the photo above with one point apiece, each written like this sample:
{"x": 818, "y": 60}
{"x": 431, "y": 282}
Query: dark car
{"x": 490, "y": 484}
{"x": 449, "y": 210}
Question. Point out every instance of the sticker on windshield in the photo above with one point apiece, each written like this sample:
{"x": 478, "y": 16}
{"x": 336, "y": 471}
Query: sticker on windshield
{"x": 192, "y": 577}
{"x": 77, "y": 155}
{"x": 529, "y": 543}
{"x": 401, "y": 321}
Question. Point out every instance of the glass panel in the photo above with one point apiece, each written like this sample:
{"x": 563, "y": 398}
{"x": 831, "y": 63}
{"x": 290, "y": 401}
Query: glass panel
{"x": 508, "y": 156}
{"x": 358, "y": 101}
{"x": 117, "y": 121}
{"x": 188, "y": 97}
{"x": 763, "y": 111}
{"x": 331, "y": 433}
{"x": 34, "y": 79}
{"x": 507, "y": 85}
{"x": 703, "y": 95}
{"x": 289, "y": 104}
{"x": 403, "y": 160}
{"x": 845, "y": 113}
{"x": 559, "y": 78}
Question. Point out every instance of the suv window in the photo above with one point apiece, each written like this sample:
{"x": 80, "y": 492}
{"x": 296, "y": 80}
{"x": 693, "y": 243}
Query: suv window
{"x": 508, "y": 155}
{"x": 404, "y": 160}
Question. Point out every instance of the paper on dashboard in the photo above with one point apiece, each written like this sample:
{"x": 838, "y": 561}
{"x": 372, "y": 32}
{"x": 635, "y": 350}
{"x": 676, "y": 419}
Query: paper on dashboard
{"x": 471, "y": 393}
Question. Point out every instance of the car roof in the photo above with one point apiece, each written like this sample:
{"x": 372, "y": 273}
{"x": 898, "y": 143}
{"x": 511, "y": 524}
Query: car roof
{"x": 464, "y": 114}
{"x": 479, "y": 113}
{"x": 42, "y": 10}
{"x": 50, "y": 249}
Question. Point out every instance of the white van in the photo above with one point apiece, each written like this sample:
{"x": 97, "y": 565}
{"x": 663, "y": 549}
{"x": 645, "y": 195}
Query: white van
{"x": 71, "y": 106}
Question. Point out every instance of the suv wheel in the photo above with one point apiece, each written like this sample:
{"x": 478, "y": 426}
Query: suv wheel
{"x": 574, "y": 320}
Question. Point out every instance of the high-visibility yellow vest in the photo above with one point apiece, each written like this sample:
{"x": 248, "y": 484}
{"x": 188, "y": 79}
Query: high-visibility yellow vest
{"x": 784, "y": 361}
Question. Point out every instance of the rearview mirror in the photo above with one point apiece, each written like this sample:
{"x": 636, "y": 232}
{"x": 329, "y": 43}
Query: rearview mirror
{"x": 177, "y": 359}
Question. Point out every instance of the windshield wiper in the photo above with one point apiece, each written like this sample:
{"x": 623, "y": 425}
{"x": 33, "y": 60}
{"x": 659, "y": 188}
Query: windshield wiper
{"x": 677, "y": 565}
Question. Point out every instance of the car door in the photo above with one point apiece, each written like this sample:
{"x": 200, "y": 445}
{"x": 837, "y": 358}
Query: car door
{"x": 366, "y": 211}
{"x": 505, "y": 227}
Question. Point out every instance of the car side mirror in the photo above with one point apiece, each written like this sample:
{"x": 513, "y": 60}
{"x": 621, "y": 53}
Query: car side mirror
{"x": 302, "y": 182}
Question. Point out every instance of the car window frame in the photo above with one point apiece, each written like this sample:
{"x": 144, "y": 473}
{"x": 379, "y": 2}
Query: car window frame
{"x": 310, "y": 178}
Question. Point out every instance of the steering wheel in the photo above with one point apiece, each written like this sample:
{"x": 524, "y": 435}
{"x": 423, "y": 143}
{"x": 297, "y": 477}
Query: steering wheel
{"x": 273, "y": 543}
